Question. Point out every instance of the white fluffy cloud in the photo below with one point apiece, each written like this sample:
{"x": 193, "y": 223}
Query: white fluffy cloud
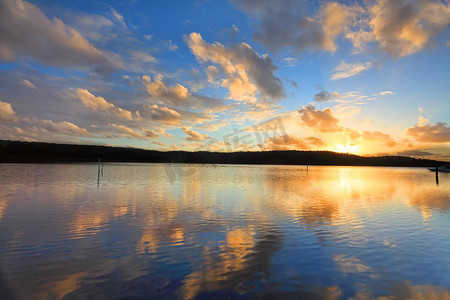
{"x": 26, "y": 31}
{"x": 245, "y": 73}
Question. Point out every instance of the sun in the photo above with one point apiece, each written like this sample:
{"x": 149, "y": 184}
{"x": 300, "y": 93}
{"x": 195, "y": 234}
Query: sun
{"x": 349, "y": 148}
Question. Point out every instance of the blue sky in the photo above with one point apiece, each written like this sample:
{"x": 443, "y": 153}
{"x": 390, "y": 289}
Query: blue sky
{"x": 369, "y": 77}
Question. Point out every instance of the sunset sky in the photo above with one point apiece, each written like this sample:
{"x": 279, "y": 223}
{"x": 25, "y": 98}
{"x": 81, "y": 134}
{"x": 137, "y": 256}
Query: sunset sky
{"x": 365, "y": 77}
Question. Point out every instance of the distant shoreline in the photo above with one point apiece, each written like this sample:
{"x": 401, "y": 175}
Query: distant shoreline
{"x": 37, "y": 152}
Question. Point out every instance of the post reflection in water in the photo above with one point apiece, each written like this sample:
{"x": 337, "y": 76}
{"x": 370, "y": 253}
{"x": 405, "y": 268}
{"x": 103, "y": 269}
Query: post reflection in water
{"x": 227, "y": 231}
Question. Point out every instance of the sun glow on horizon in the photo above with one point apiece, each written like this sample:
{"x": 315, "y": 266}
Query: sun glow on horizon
{"x": 349, "y": 148}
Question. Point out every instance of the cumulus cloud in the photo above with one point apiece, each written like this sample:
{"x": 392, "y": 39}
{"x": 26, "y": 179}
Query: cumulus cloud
{"x": 193, "y": 135}
{"x": 346, "y": 70}
{"x": 179, "y": 95}
{"x": 286, "y": 23}
{"x": 25, "y": 30}
{"x": 379, "y": 137}
{"x": 158, "y": 88}
{"x": 322, "y": 120}
{"x": 429, "y": 133}
{"x": 6, "y": 112}
{"x": 162, "y": 114}
{"x": 246, "y": 74}
{"x": 398, "y": 28}
{"x": 97, "y": 103}
{"x": 405, "y": 27}
{"x": 285, "y": 142}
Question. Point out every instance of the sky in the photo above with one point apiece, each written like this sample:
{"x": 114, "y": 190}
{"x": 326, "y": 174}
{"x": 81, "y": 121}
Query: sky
{"x": 364, "y": 77}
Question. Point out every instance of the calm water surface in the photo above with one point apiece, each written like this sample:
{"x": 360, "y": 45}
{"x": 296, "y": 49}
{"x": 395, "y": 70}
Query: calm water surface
{"x": 224, "y": 231}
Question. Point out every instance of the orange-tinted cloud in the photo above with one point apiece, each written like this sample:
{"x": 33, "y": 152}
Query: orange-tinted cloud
{"x": 158, "y": 88}
{"x": 378, "y": 136}
{"x": 245, "y": 73}
{"x": 322, "y": 120}
{"x": 315, "y": 141}
{"x": 100, "y": 104}
{"x": 397, "y": 27}
{"x": 406, "y": 27}
{"x": 193, "y": 135}
{"x": 428, "y": 133}
{"x": 63, "y": 127}
{"x": 285, "y": 142}
{"x": 128, "y": 132}
{"x": 6, "y": 112}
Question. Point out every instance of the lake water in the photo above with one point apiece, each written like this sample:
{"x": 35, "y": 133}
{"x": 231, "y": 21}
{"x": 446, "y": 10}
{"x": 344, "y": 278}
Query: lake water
{"x": 168, "y": 231}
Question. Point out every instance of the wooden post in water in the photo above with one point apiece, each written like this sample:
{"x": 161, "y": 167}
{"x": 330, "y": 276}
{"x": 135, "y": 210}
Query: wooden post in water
{"x": 98, "y": 173}
{"x": 437, "y": 176}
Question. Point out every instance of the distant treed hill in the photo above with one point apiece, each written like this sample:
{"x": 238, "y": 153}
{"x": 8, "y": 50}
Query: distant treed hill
{"x": 33, "y": 152}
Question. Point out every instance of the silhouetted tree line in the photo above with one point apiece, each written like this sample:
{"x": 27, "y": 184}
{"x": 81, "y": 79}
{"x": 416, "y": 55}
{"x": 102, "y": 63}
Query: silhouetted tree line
{"x": 35, "y": 152}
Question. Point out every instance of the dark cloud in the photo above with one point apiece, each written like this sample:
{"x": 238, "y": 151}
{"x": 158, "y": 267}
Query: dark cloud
{"x": 324, "y": 96}
{"x": 415, "y": 153}
{"x": 287, "y": 23}
{"x": 26, "y": 31}
{"x": 161, "y": 114}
